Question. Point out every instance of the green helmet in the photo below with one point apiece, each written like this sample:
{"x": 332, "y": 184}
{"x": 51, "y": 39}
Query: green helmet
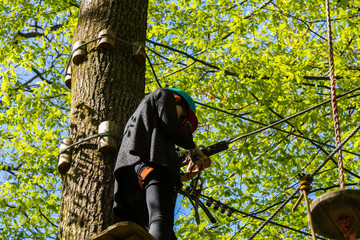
{"x": 187, "y": 98}
{"x": 192, "y": 108}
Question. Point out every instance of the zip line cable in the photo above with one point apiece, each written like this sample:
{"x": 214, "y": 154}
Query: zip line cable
{"x": 312, "y": 175}
{"x": 288, "y": 118}
{"x": 253, "y": 216}
{"x": 269, "y": 126}
{"x": 279, "y": 129}
{"x": 315, "y": 190}
{"x": 333, "y": 160}
{"x": 335, "y": 150}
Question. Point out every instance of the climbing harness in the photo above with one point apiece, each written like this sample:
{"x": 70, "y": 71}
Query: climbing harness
{"x": 194, "y": 198}
{"x": 192, "y": 192}
{"x": 207, "y": 151}
{"x": 182, "y": 154}
{"x": 143, "y": 175}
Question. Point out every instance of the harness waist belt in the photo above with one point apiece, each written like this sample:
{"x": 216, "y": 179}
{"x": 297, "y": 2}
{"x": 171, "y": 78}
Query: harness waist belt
{"x": 143, "y": 175}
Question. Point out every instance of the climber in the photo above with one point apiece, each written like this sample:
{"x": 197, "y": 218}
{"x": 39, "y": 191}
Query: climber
{"x": 147, "y": 172}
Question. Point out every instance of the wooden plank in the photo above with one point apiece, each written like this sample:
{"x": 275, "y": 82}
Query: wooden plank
{"x": 123, "y": 231}
{"x": 328, "y": 208}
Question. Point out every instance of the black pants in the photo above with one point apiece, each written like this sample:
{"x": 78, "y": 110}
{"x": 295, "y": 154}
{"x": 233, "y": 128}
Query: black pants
{"x": 151, "y": 207}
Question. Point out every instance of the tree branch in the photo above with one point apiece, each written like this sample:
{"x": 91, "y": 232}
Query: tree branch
{"x": 74, "y": 4}
{"x": 228, "y": 73}
{"x": 34, "y": 34}
{"x": 249, "y": 16}
{"x": 54, "y": 225}
{"x": 298, "y": 19}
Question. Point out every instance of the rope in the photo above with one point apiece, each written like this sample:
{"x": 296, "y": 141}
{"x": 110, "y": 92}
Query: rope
{"x": 333, "y": 96}
{"x": 311, "y": 175}
{"x": 305, "y": 186}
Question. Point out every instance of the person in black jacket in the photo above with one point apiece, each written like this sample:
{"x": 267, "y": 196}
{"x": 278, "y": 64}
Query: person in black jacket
{"x": 147, "y": 171}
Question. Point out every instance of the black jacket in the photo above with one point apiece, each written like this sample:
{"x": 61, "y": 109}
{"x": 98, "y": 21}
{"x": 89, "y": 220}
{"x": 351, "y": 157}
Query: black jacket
{"x": 151, "y": 133}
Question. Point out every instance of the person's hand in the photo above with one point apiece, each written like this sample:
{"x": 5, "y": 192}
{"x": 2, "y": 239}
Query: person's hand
{"x": 191, "y": 171}
{"x": 197, "y": 162}
{"x": 201, "y": 161}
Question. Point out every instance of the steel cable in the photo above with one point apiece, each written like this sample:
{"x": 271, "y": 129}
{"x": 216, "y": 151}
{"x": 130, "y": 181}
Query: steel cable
{"x": 312, "y": 175}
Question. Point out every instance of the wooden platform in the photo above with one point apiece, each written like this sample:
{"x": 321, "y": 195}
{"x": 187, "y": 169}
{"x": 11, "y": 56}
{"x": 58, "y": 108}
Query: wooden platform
{"x": 329, "y": 207}
{"x": 123, "y": 231}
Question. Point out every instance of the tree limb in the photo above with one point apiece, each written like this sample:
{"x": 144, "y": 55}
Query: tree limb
{"x": 226, "y": 71}
{"x": 34, "y": 34}
{"x": 249, "y": 16}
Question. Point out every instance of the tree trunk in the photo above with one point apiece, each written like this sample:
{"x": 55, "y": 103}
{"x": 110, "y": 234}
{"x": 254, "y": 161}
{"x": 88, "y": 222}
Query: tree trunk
{"x": 106, "y": 85}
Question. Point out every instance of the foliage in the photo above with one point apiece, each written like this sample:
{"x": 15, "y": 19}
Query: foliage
{"x": 33, "y": 117}
{"x": 256, "y": 61}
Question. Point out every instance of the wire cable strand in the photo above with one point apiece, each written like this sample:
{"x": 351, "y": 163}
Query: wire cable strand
{"x": 256, "y": 217}
{"x": 290, "y": 117}
{"x": 312, "y": 175}
{"x": 276, "y": 128}
{"x": 89, "y": 138}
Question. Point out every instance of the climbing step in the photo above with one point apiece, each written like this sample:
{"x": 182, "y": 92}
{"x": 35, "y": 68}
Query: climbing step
{"x": 327, "y": 209}
{"x": 123, "y": 231}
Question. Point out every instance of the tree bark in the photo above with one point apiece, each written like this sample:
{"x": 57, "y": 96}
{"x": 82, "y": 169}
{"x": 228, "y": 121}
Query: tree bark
{"x": 106, "y": 85}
